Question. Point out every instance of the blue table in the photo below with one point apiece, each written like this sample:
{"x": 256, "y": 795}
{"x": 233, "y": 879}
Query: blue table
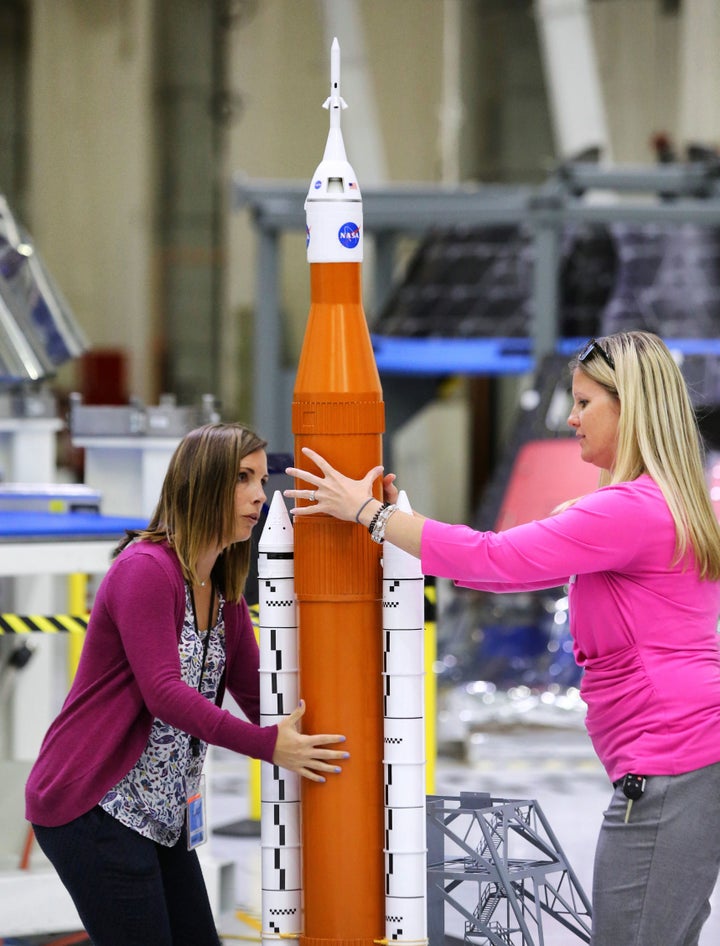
{"x": 63, "y": 526}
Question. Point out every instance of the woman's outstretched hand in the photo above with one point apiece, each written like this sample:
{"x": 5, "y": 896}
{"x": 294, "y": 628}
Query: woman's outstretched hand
{"x": 332, "y": 492}
{"x": 339, "y": 496}
{"x": 302, "y": 754}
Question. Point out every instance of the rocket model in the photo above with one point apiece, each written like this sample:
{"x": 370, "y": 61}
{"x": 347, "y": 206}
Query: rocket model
{"x": 338, "y": 411}
{"x": 344, "y": 860}
{"x": 279, "y": 789}
{"x": 404, "y": 762}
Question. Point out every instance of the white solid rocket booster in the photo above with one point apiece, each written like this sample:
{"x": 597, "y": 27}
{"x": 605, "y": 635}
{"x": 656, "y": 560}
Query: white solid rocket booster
{"x": 280, "y": 836}
{"x": 404, "y": 732}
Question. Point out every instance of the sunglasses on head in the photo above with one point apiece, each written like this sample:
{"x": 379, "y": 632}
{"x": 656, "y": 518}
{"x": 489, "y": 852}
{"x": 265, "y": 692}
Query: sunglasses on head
{"x": 591, "y": 348}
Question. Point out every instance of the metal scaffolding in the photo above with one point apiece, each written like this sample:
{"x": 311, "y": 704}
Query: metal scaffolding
{"x": 576, "y": 193}
{"x": 507, "y": 849}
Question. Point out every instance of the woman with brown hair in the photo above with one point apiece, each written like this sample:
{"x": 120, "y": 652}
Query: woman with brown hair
{"x": 115, "y": 796}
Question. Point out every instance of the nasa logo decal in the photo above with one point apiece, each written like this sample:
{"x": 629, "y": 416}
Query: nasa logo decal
{"x": 307, "y": 237}
{"x": 317, "y": 185}
{"x": 349, "y": 235}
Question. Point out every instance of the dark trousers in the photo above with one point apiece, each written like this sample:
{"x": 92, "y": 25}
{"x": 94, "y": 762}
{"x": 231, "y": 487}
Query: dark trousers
{"x": 128, "y": 890}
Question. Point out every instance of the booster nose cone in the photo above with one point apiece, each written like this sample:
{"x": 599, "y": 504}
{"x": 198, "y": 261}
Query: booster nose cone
{"x": 333, "y": 206}
{"x": 277, "y": 535}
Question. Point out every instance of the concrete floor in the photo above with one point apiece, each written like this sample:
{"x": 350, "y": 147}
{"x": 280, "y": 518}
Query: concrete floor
{"x": 554, "y": 766}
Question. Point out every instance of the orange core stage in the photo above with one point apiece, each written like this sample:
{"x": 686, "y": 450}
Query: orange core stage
{"x": 338, "y": 411}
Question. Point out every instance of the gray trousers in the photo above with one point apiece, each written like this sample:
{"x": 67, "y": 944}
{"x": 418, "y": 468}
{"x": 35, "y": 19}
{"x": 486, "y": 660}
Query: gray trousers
{"x": 654, "y": 876}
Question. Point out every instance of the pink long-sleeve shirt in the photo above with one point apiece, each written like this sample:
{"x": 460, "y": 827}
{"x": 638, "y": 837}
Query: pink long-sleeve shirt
{"x": 129, "y": 674}
{"x": 644, "y": 629}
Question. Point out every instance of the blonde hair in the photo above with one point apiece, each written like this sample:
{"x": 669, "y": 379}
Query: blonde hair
{"x": 658, "y": 435}
{"x": 197, "y": 503}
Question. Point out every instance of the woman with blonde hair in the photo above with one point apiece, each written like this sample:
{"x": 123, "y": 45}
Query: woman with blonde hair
{"x": 115, "y": 796}
{"x": 641, "y": 556}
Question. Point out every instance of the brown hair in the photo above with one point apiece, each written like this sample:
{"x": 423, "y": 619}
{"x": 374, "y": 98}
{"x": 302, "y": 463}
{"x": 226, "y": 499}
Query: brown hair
{"x": 197, "y": 503}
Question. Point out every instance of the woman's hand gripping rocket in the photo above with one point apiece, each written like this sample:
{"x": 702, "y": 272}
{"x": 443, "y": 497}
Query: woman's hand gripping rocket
{"x": 303, "y": 754}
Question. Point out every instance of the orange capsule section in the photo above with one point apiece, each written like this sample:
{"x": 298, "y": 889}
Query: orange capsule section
{"x": 338, "y": 411}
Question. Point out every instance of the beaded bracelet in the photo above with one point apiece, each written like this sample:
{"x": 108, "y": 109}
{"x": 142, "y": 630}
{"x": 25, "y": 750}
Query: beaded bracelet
{"x": 378, "y": 532}
{"x": 357, "y": 514}
{"x": 375, "y": 518}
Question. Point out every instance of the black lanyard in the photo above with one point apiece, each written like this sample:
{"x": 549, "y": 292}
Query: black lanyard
{"x": 194, "y": 740}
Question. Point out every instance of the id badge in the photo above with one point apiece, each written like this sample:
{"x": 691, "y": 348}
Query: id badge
{"x": 195, "y": 816}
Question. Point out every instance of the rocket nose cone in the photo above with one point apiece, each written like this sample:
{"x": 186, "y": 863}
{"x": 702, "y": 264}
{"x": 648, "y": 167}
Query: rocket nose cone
{"x": 277, "y": 535}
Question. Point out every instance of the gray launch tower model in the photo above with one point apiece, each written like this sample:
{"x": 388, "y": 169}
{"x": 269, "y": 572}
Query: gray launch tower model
{"x": 506, "y": 848}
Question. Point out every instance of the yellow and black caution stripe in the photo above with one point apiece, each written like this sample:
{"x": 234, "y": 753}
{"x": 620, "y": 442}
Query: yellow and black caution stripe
{"x": 43, "y": 624}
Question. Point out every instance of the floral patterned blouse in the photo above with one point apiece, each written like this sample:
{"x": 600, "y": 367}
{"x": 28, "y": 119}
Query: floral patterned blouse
{"x": 151, "y": 798}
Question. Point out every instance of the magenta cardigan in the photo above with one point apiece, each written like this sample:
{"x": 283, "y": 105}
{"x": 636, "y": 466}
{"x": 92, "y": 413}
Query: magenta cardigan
{"x": 129, "y": 673}
{"x": 644, "y": 630}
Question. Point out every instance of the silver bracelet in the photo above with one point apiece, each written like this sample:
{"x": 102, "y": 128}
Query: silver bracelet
{"x": 378, "y": 532}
